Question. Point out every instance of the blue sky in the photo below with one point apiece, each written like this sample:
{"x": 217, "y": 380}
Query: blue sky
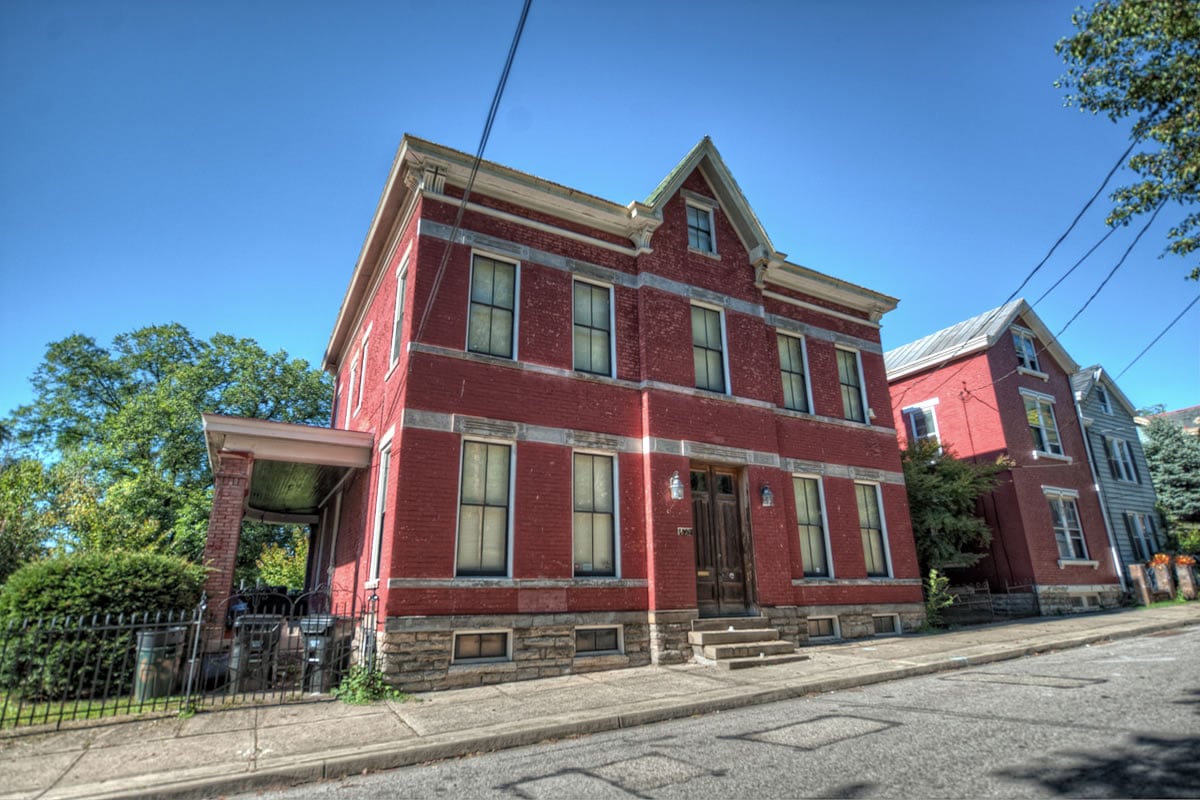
{"x": 217, "y": 164}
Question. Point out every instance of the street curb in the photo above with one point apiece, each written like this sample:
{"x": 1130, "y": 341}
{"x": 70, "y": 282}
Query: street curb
{"x": 393, "y": 755}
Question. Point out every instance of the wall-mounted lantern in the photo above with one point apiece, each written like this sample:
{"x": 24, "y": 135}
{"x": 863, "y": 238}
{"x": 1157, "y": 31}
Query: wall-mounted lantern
{"x": 676, "y": 487}
{"x": 768, "y": 497}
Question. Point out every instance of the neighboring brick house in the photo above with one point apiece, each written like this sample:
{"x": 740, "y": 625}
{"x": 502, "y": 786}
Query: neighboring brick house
{"x": 594, "y": 424}
{"x": 999, "y": 384}
{"x": 1119, "y": 464}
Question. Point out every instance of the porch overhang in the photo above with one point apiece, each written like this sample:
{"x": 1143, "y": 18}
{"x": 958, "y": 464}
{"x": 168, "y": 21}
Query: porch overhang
{"x": 295, "y": 468}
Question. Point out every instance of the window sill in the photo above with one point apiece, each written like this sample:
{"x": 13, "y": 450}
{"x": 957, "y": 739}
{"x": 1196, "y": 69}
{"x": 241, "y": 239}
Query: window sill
{"x": 483, "y": 665}
{"x": 391, "y": 369}
{"x": 1077, "y": 562}
{"x": 1052, "y": 456}
{"x": 1033, "y": 373}
{"x": 372, "y": 584}
{"x": 706, "y": 253}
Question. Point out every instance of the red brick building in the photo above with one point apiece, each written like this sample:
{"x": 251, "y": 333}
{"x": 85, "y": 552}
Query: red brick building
{"x": 999, "y": 385}
{"x": 592, "y": 424}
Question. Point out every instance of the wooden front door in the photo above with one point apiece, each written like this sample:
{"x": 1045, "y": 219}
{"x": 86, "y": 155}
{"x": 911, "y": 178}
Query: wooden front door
{"x": 720, "y": 567}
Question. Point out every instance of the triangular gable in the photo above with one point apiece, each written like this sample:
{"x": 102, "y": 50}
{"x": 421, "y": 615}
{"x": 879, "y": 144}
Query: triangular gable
{"x": 1084, "y": 381}
{"x": 704, "y": 157}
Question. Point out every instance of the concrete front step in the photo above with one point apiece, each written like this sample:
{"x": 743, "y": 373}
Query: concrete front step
{"x": 765, "y": 661}
{"x": 732, "y": 637}
{"x": 720, "y": 652}
{"x": 725, "y": 623}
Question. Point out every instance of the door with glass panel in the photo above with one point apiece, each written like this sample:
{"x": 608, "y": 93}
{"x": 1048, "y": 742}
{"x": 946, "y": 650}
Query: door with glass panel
{"x": 716, "y": 524}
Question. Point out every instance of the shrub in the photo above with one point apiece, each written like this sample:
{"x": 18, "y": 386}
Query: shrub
{"x": 937, "y": 597}
{"x": 63, "y": 657}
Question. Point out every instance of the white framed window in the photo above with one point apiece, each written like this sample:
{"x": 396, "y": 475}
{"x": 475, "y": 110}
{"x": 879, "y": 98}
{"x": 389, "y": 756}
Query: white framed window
{"x": 793, "y": 367}
{"x": 810, "y": 519}
{"x": 485, "y": 500}
{"x": 492, "y": 321}
{"x": 351, "y": 406}
{"x": 1102, "y": 399}
{"x": 823, "y": 628}
{"x": 700, "y": 228}
{"x": 362, "y": 375}
{"x": 921, "y": 420}
{"x": 592, "y": 318}
{"x": 873, "y": 529}
{"x": 1026, "y": 346}
{"x": 1039, "y": 412}
{"x": 708, "y": 349}
{"x": 1142, "y": 534}
{"x": 854, "y": 400}
{"x": 381, "y": 509}
{"x": 595, "y": 515}
{"x": 1120, "y": 459}
{"x": 595, "y": 640}
{"x": 482, "y": 646}
{"x": 1068, "y": 532}
{"x": 398, "y": 311}
{"x": 886, "y": 624}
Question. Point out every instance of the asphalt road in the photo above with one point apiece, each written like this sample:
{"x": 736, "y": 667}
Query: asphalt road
{"x": 1113, "y": 720}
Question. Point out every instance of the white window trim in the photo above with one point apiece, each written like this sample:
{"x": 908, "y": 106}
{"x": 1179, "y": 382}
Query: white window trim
{"x": 837, "y": 629}
{"x": 362, "y": 375}
{"x": 1148, "y": 534}
{"x": 804, "y": 365}
{"x": 1103, "y": 399}
{"x": 887, "y": 546}
{"x": 512, "y": 491}
{"x": 385, "y": 451}
{"x": 1053, "y": 419}
{"x": 398, "y": 310}
{"x": 899, "y": 631}
{"x": 824, "y": 528}
{"x": 516, "y": 325}
{"x": 620, "y": 640}
{"x": 612, "y": 325}
{"x": 1026, "y": 333}
{"x": 708, "y": 207}
{"x": 616, "y": 517}
{"x": 351, "y": 408}
{"x": 862, "y": 384}
{"x": 489, "y": 659}
{"x": 923, "y": 406}
{"x": 1051, "y": 492}
{"x": 724, "y": 344}
{"x": 1119, "y": 444}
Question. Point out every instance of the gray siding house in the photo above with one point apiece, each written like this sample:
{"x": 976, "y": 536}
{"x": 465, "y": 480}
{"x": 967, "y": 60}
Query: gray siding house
{"x": 1119, "y": 464}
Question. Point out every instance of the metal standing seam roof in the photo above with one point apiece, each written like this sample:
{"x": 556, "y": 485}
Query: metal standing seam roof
{"x": 978, "y": 332}
{"x": 1083, "y": 381}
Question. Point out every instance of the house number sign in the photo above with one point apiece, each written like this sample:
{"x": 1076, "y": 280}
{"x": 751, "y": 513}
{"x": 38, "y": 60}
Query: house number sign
{"x": 683, "y": 531}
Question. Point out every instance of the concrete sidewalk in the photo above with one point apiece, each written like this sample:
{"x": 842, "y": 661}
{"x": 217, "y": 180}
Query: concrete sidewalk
{"x": 240, "y": 750}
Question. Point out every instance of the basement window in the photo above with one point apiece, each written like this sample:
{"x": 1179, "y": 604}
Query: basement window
{"x": 886, "y": 624}
{"x": 822, "y": 628}
{"x": 481, "y": 646}
{"x": 597, "y": 641}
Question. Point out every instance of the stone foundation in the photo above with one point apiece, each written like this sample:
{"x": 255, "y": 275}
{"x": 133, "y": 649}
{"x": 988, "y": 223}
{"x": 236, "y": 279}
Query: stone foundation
{"x": 789, "y": 621}
{"x": 669, "y": 635}
{"x": 1077, "y": 599}
{"x": 858, "y": 621}
{"x": 416, "y": 653}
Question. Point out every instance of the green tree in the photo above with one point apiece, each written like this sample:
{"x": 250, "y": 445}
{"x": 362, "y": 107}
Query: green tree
{"x": 121, "y": 426}
{"x": 1174, "y": 460}
{"x": 942, "y": 491}
{"x": 283, "y": 564}
{"x": 1141, "y": 59}
{"x": 24, "y": 513}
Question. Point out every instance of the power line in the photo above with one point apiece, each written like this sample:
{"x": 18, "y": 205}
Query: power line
{"x": 1156, "y": 338}
{"x": 1067, "y": 274}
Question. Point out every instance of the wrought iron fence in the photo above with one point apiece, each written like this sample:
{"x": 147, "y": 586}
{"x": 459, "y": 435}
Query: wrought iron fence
{"x": 261, "y": 647}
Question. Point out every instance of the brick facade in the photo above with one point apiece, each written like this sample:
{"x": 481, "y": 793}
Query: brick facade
{"x": 648, "y": 417}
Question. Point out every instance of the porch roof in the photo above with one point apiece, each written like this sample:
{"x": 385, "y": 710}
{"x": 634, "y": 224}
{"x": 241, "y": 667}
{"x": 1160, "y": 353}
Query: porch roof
{"x": 295, "y": 467}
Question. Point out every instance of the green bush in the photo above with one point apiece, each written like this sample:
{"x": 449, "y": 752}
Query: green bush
{"x": 63, "y": 657}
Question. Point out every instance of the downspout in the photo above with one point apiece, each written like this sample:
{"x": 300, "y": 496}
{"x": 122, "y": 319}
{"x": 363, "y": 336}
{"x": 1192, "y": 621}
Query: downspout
{"x": 1087, "y": 445}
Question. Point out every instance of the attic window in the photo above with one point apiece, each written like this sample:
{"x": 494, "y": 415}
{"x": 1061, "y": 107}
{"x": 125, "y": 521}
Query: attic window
{"x": 1102, "y": 399}
{"x": 1025, "y": 345}
{"x": 700, "y": 229}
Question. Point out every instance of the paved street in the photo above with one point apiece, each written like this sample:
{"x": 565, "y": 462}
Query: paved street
{"x": 1112, "y": 720}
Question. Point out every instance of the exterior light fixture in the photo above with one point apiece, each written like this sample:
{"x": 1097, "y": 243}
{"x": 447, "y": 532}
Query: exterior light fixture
{"x": 676, "y": 487}
{"x": 768, "y": 497}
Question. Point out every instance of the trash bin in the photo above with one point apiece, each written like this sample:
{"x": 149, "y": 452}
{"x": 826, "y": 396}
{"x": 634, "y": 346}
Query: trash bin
{"x": 158, "y": 657}
{"x": 255, "y": 642}
{"x": 325, "y": 649}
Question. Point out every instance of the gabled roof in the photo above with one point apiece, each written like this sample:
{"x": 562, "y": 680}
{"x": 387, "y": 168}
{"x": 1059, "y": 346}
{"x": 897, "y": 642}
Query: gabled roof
{"x": 971, "y": 336}
{"x": 1083, "y": 381}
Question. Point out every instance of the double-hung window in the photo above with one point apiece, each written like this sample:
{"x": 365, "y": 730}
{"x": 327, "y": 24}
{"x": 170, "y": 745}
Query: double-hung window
{"x": 592, "y": 316}
{"x": 1142, "y": 536}
{"x": 1039, "y": 412}
{"x": 483, "y": 516}
{"x": 493, "y": 307}
{"x": 708, "y": 349}
{"x": 814, "y": 552}
{"x": 791, "y": 367}
{"x": 700, "y": 229}
{"x": 398, "y": 312}
{"x": 595, "y": 515}
{"x": 874, "y": 534}
{"x": 362, "y": 376}
{"x": 1102, "y": 399}
{"x": 351, "y": 405}
{"x": 381, "y": 509}
{"x": 1068, "y": 532}
{"x": 850, "y": 377}
{"x": 1120, "y": 459}
{"x": 922, "y": 422}
{"x": 1026, "y": 347}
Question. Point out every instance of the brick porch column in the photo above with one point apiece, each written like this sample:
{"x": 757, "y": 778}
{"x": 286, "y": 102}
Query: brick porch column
{"x": 231, "y": 482}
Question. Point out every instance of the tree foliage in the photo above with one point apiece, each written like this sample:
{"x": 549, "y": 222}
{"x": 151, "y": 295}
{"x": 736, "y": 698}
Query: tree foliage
{"x": 283, "y": 563}
{"x": 1174, "y": 460}
{"x": 24, "y": 513}
{"x": 1141, "y": 59}
{"x": 942, "y": 491}
{"x": 120, "y": 428}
